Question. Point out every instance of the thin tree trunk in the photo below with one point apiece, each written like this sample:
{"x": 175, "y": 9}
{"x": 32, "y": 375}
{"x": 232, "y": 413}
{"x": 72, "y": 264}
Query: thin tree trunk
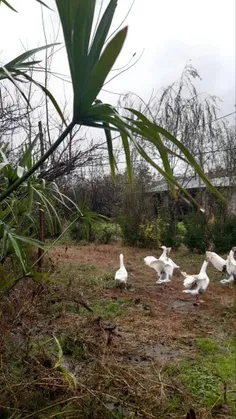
{"x": 41, "y": 210}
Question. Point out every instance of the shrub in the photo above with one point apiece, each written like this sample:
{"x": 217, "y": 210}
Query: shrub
{"x": 102, "y": 232}
{"x": 144, "y": 234}
{"x": 130, "y": 230}
{"x": 224, "y": 234}
{"x": 196, "y": 236}
{"x": 148, "y": 234}
{"x": 105, "y": 233}
{"x": 79, "y": 231}
{"x": 171, "y": 232}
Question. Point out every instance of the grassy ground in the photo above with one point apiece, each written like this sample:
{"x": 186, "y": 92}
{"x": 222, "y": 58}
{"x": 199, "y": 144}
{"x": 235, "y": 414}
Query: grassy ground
{"x": 143, "y": 352}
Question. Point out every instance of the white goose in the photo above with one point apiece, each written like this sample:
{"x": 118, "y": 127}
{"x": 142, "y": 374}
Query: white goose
{"x": 231, "y": 266}
{"x": 197, "y": 284}
{"x": 165, "y": 256}
{"x": 164, "y": 269}
{"x": 228, "y": 265}
{"x": 121, "y": 276}
{"x": 217, "y": 261}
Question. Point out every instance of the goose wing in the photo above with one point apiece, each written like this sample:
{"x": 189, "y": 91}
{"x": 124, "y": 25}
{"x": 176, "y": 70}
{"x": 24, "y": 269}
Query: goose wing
{"x": 149, "y": 259}
{"x": 158, "y": 265}
{"x": 217, "y": 261}
{"x": 173, "y": 263}
{"x": 190, "y": 281}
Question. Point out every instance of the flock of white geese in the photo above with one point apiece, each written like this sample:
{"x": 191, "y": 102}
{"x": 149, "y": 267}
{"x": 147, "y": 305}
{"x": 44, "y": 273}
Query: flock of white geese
{"x": 195, "y": 284}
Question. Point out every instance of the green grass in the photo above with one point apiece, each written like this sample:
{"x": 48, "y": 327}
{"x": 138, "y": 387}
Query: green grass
{"x": 161, "y": 388}
{"x": 72, "y": 347}
{"x": 110, "y": 309}
{"x": 205, "y": 374}
{"x": 207, "y": 345}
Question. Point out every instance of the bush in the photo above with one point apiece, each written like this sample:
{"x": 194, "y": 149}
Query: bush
{"x": 224, "y": 234}
{"x": 144, "y": 234}
{"x": 102, "y": 232}
{"x": 171, "y": 232}
{"x": 130, "y": 230}
{"x": 148, "y": 234}
{"x": 105, "y": 233}
{"x": 196, "y": 236}
{"x": 80, "y": 232}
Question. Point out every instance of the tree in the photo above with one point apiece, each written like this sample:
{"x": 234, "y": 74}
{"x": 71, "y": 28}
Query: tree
{"x": 89, "y": 66}
{"x": 91, "y": 56}
{"x": 191, "y": 116}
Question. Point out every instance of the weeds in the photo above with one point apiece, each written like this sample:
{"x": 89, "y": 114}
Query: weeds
{"x": 38, "y": 375}
{"x": 206, "y": 374}
{"x": 111, "y": 309}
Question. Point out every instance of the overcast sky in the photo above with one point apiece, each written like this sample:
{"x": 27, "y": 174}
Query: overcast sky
{"x": 170, "y": 32}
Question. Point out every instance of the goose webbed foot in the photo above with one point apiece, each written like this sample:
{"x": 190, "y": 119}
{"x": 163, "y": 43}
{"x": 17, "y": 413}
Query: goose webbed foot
{"x": 197, "y": 301}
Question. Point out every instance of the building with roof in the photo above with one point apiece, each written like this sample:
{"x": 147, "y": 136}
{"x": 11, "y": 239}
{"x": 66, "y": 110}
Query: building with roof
{"x": 198, "y": 190}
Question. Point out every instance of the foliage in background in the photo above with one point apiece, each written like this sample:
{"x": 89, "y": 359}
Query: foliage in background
{"x": 90, "y": 60}
{"x": 19, "y": 215}
{"x": 224, "y": 234}
{"x": 196, "y": 235}
{"x": 171, "y": 231}
{"x": 106, "y": 232}
{"x": 135, "y": 211}
{"x": 100, "y": 231}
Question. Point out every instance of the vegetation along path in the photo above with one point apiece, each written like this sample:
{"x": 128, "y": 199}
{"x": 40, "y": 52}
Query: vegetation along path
{"x": 85, "y": 349}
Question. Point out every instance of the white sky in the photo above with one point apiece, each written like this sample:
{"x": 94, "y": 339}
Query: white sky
{"x": 170, "y": 32}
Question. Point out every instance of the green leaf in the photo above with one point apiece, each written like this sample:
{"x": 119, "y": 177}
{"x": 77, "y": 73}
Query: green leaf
{"x": 28, "y": 151}
{"x": 170, "y": 179}
{"x": 190, "y": 158}
{"x": 126, "y": 147}
{"x": 67, "y": 12}
{"x": 81, "y": 36}
{"x": 5, "y": 161}
{"x": 60, "y": 353}
{"x": 18, "y": 250}
{"x": 20, "y": 171}
{"x": 30, "y": 197}
{"x": 101, "y": 34}
{"x": 8, "y": 5}
{"x": 48, "y": 93}
{"x": 112, "y": 159}
{"x": 4, "y": 243}
{"x": 22, "y": 57}
{"x": 98, "y": 76}
{"x": 44, "y": 4}
{"x": 27, "y": 240}
{"x": 14, "y": 10}
{"x": 9, "y": 76}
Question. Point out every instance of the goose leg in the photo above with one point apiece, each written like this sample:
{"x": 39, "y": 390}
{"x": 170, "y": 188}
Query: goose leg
{"x": 197, "y": 301}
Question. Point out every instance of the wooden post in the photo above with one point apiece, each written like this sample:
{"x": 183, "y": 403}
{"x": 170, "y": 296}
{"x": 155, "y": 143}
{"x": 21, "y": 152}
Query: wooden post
{"x": 41, "y": 238}
{"x": 41, "y": 210}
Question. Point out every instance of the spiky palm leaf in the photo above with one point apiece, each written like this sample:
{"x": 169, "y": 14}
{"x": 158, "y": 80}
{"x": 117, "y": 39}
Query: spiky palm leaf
{"x": 90, "y": 60}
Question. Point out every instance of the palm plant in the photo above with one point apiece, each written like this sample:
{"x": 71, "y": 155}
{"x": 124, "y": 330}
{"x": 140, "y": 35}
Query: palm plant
{"x": 19, "y": 213}
{"x": 90, "y": 58}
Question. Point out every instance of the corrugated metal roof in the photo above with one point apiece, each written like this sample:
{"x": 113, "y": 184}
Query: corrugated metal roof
{"x": 194, "y": 183}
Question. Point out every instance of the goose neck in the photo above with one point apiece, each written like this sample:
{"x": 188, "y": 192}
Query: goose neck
{"x": 204, "y": 266}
